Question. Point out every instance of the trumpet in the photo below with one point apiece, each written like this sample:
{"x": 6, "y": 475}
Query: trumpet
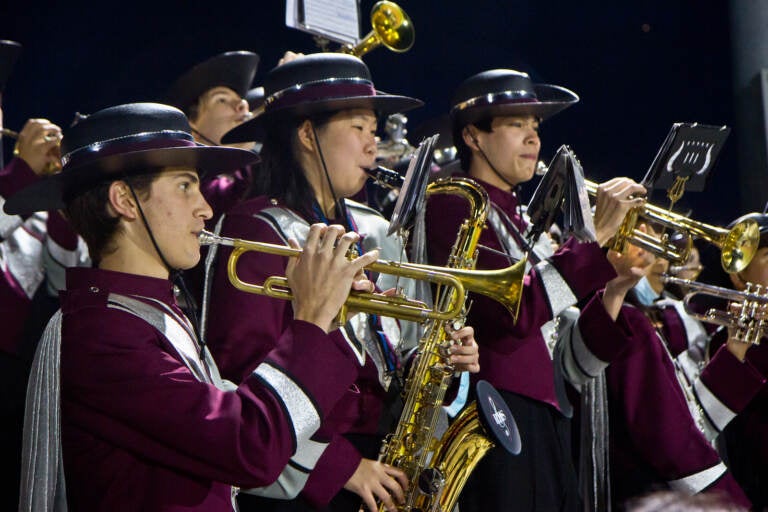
{"x": 738, "y": 245}
{"x": 391, "y": 28}
{"x": 502, "y": 285}
{"x": 50, "y": 167}
{"x": 6, "y": 132}
{"x": 747, "y": 323}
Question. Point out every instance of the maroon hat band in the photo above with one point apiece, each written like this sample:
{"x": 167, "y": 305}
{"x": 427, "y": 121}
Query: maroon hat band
{"x": 499, "y": 98}
{"x": 327, "y": 90}
{"x": 164, "y": 139}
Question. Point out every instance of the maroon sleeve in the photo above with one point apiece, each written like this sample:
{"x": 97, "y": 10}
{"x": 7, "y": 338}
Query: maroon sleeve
{"x": 16, "y": 176}
{"x": 165, "y": 415}
{"x": 733, "y": 382}
{"x": 244, "y": 327}
{"x": 650, "y": 414}
{"x": 604, "y": 337}
{"x": 60, "y": 231}
{"x": 334, "y": 468}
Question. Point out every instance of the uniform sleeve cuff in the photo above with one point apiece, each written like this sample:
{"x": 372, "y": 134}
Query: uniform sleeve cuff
{"x": 603, "y": 336}
{"x": 332, "y": 471}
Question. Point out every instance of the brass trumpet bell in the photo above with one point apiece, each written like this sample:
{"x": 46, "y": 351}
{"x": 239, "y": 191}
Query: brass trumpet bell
{"x": 737, "y": 245}
{"x": 392, "y": 28}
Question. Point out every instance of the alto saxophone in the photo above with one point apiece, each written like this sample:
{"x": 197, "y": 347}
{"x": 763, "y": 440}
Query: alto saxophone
{"x": 437, "y": 469}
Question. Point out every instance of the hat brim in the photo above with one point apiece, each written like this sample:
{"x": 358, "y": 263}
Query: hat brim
{"x": 552, "y": 99}
{"x": 50, "y": 193}
{"x": 234, "y": 70}
{"x": 253, "y": 130}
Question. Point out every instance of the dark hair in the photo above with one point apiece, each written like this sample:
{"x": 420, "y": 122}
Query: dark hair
{"x": 193, "y": 110}
{"x": 462, "y": 150}
{"x": 89, "y": 216}
{"x": 280, "y": 175}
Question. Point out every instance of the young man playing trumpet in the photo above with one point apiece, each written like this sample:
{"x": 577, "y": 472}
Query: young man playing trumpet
{"x": 126, "y": 399}
{"x": 496, "y": 116}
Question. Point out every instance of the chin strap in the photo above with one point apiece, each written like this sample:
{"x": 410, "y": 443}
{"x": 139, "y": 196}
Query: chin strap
{"x": 204, "y": 138}
{"x": 340, "y": 206}
{"x": 175, "y": 276}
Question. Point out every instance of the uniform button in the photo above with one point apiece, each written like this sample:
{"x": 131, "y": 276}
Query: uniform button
{"x": 94, "y": 289}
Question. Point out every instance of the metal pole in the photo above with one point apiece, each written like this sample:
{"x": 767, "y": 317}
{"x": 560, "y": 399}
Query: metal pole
{"x": 749, "y": 21}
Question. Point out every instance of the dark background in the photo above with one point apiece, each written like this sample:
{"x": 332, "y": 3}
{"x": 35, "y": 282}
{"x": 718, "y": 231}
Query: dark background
{"x": 638, "y": 66}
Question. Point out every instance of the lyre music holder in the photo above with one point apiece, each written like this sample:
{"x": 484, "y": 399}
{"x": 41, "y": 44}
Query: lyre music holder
{"x": 685, "y": 159}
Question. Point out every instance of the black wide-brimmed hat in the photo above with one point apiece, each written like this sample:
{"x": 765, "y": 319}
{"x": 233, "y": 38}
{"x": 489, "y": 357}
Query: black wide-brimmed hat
{"x": 504, "y": 92}
{"x": 255, "y": 98}
{"x": 121, "y": 141}
{"x": 317, "y": 83}
{"x": 231, "y": 69}
{"x": 9, "y": 52}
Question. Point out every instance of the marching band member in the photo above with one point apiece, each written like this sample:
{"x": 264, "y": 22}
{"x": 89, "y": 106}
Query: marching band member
{"x": 661, "y": 423}
{"x": 746, "y": 436}
{"x": 145, "y": 422}
{"x": 34, "y": 250}
{"x": 496, "y": 116}
{"x": 319, "y": 126}
{"x": 212, "y": 95}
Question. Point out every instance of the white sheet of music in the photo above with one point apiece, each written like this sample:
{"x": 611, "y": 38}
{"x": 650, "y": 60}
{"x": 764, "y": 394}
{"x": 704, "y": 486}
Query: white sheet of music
{"x": 337, "y": 20}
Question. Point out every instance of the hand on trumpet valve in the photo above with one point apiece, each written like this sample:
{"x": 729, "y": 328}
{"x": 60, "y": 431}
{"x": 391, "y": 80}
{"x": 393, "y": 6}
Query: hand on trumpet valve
{"x": 748, "y": 325}
{"x": 38, "y": 145}
{"x": 614, "y": 199}
{"x": 322, "y": 276}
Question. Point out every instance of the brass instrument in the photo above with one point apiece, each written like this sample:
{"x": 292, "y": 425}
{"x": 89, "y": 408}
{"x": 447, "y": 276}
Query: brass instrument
{"x": 435, "y": 482}
{"x": 395, "y": 306}
{"x": 50, "y": 167}
{"x": 494, "y": 281}
{"x": 391, "y": 28}
{"x": 737, "y": 245}
{"x": 747, "y": 323}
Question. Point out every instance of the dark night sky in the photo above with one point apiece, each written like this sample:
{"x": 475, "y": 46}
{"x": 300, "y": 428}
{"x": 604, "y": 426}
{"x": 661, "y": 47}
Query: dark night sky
{"x": 638, "y": 66}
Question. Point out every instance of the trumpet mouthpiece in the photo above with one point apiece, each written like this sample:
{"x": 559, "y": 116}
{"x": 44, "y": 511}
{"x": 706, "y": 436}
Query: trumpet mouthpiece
{"x": 208, "y": 238}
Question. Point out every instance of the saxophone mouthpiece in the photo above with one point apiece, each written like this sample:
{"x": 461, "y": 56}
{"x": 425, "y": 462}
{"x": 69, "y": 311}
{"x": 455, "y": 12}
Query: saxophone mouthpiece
{"x": 386, "y": 177}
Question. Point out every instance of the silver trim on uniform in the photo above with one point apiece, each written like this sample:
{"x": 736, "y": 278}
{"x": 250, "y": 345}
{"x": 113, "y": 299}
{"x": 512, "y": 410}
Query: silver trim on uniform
{"x": 579, "y": 362}
{"x": 305, "y": 418}
{"x": 717, "y": 412}
{"x": 559, "y": 294}
{"x": 697, "y": 482}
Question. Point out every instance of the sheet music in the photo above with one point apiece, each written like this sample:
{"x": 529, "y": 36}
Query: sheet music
{"x": 562, "y": 188}
{"x": 337, "y": 20}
